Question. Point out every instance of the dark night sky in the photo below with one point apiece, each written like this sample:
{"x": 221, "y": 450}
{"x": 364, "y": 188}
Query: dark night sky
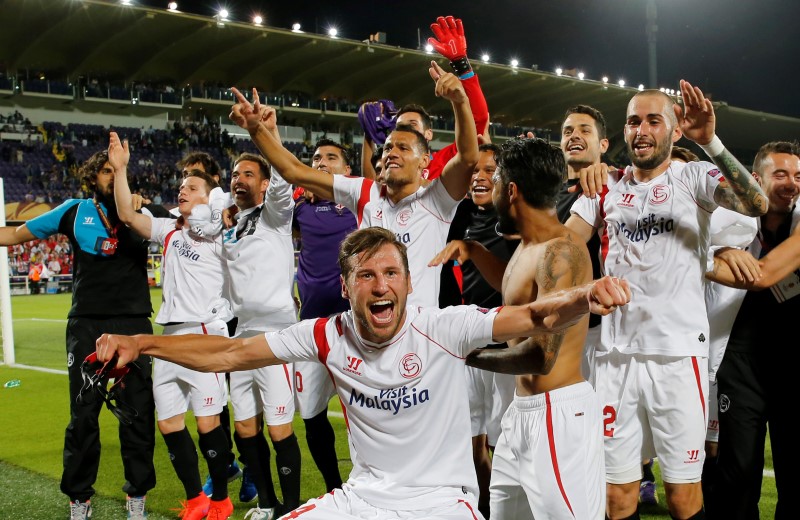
{"x": 744, "y": 52}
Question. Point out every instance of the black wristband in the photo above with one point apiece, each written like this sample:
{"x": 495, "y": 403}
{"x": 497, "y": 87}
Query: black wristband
{"x": 461, "y": 66}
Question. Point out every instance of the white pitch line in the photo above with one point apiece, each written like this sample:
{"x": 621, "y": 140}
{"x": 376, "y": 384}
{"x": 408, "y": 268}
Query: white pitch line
{"x": 41, "y": 319}
{"x": 39, "y": 369}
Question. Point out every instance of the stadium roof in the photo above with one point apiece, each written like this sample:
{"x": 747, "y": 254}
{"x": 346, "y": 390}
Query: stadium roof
{"x": 69, "y": 39}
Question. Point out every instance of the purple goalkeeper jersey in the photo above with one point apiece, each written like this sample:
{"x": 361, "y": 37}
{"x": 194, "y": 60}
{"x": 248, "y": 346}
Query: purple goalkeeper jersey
{"x": 323, "y": 225}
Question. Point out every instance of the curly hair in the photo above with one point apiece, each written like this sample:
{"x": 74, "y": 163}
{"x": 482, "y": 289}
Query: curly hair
{"x": 87, "y": 173}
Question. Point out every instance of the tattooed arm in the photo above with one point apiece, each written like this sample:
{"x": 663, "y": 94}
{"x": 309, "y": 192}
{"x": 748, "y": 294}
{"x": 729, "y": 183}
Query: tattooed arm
{"x": 558, "y": 265}
{"x": 739, "y": 191}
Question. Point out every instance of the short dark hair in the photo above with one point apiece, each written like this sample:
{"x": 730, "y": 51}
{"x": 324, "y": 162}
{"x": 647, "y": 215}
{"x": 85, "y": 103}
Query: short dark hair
{"x": 347, "y": 155}
{"x": 491, "y": 147}
{"x": 256, "y": 158}
{"x": 537, "y": 168}
{"x": 790, "y": 147}
{"x": 210, "y": 165}
{"x": 599, "y": 120}
{"x": 683, "y": 154}
{"x": 87, "y": 173}
{"x": 367, "y": 240}
{"x": 427, "y": 122}
{"x": 422, "y": 143}
{"x": 200, "y": 174}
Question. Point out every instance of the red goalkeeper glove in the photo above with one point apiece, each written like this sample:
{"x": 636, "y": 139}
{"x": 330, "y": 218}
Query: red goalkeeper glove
{"x": 450, "y": 42}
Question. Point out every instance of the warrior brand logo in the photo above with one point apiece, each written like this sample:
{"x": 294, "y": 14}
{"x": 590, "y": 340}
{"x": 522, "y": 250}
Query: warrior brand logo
{"x": 88, "y": 221}
{"x": 693, "y": 456}
{"x": 724, "y": 403}
{"x": 646, "y": 227}
{"x": 404, "y": 216}
{"x": 379, "y": 214}
{"x": 660, "y": 194}
{"x": 626, "y": 200}
{"x": 185, "y": 250}
{"x": 280, "y": 410}
{"x": 208, "y": 401}
{"x": 353, "y": 365}
{"x": 410, "y": 366}
{"x": 713, "y": 425}
{"x": 392, "y": 399}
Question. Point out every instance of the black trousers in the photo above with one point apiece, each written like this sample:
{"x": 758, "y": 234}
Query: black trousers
{"x": 82, "y": 437}
{"x": 751, "y": 390}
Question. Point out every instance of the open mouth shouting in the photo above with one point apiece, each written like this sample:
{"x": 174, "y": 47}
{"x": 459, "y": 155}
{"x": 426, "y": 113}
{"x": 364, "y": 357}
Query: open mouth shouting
{"x": 382, "y": 312}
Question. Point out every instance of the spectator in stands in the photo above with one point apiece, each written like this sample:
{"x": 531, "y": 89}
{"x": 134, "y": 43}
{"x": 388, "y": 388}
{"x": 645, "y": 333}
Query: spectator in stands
{"x": 34, "y": 278}
{"x": 111, "y": 294}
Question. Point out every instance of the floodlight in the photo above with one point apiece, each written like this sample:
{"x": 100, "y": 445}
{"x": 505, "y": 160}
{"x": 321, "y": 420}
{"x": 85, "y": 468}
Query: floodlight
{"x": 485, "y": 58}
{"x": 605, "y": 79}
{"x": 641, "y": 87}
{"x": 581, "y": 75}
{"x": 172, "y": 6}
{"x": 257, "y": 19}
{"x": 621, "y": 83}
{"x": 296, "y": 27}
{"x": 514, "y": 62}
{"x": 332, "y": 32}
{"x": 559, "y": 71}
{"x": 223, "y": 14}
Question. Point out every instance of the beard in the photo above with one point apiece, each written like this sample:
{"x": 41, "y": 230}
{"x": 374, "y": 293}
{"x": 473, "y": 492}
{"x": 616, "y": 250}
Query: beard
{"x": 505, "y": 224}
{"x": 661, "y": 151}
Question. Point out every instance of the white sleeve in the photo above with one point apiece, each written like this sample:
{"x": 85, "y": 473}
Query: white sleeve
{"x": 439, "y": 201}
{"x": 278, "y": 208}
{"x": 294, "y": 343}
{"x": 160, "y": 228}
{"x": 460, "y": 329}
{"x": 587, "y": 209}
{"x": 352, "y": 192}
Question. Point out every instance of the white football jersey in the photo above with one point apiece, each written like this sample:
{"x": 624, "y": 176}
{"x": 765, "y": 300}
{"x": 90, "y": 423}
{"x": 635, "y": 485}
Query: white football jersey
{"x": 192, "y": 275}
{"x": 259, "y": 257}
{"x": 421, "y": 222}
{"x": 405, "y": 401}
{"x": 656, "y": 236}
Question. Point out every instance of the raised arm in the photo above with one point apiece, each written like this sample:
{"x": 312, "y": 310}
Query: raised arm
{"x": 11, "y": 236}
{"x": 550, "y": 314}
{"x": 118, "y": 156}
{"x": 739, "y": 191}
{"x": 458, "y": 171}
{"x": 449, "y": 41}
{"x": 200, "y": 352}
{"x": 261, "y": 122}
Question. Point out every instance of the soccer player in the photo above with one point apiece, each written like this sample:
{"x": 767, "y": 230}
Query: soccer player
{"x": 420, "y": 217}
{"x": 259, "y": 261}
{"x": 110, "y": 294}
{"x": 192, "y": 303}
{"x": 652, "y": 364}
{"x": 399, "y": 372}
{"x": 549, "y": 459}
{"x": 321, "y": 225}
